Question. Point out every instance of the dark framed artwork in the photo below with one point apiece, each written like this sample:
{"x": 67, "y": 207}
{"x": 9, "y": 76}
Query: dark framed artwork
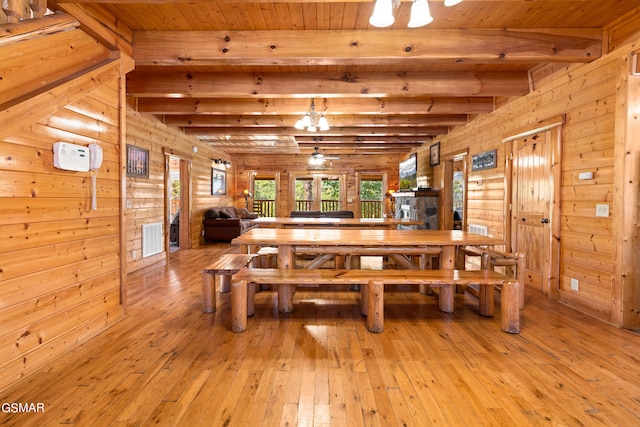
{"x": 485, "y": 160}
{"x": 218, "y": 182}
{"x": 434, "y": 154}
{"x": 137, "y": 162}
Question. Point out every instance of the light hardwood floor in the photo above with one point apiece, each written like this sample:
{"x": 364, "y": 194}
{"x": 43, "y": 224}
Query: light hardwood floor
{"x": 167, "y": 363}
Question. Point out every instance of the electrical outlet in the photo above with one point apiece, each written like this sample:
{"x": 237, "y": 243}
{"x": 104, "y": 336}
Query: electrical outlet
{"x": 133, "y": 254}
{"x": 574, "y": 284}
{"x": 602, "y": 210}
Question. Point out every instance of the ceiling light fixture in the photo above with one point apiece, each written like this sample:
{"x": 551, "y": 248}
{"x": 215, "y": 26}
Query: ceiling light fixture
{"x": 420, "y": 15}
{"x": 382, "y": 14}
{"x": 311, "y": 121}
{"x": 316, "y": 159}
{"x": 224, "y": 163}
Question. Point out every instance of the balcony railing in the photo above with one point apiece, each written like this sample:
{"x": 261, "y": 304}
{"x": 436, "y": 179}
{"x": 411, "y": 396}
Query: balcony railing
{"x": 371, "y": 209}
{"x": 264, "y": 208}
{"x": 368, "y": 208}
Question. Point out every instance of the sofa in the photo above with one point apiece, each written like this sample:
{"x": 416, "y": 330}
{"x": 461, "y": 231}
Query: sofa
{"x": 320, "y": 214}
{"x": 226, "y": 223}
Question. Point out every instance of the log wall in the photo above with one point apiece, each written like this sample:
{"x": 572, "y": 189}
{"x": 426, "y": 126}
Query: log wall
{"x": 60, "y": 270}
{"x": 589, "y": 97}
{"x": 146, "y": 196}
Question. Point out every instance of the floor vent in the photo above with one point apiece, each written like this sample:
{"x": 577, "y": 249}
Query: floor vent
{"x": 483, "y": 230}
{"x": 151, "y": 239}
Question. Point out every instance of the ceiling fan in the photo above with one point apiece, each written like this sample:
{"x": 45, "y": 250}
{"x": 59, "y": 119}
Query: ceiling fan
{"x": 318, "y": 159}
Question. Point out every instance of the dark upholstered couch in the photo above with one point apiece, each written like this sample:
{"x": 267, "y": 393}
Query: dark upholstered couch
{"x": 226, "y": 223}
{"x": 319, "y": 214}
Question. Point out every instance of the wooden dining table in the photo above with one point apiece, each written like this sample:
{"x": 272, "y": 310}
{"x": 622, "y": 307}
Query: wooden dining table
{"x": 357, "y": 241}
{"x": 369, "y": 223}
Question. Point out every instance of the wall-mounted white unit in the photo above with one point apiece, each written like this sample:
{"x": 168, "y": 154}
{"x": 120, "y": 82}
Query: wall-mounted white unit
{"x": 70, "y": 157}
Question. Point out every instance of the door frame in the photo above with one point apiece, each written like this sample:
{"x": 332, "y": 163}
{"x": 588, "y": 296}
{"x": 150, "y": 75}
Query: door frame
{"x": 552, "y": 236}
{"x": 184, "y": 232}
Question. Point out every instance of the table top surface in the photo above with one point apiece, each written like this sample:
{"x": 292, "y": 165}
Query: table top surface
{"x": 335, "y": 221}
{"x": 361, "y": 237}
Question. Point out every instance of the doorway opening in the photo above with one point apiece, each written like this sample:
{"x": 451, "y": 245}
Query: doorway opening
{"x": 174, "y": 203}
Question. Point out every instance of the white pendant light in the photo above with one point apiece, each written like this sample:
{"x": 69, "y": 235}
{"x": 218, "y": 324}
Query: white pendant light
{"x": 382, "y": 14}
{"x": 323, "y": 124}
{"x": 452, "y": 2}
{"x": 420, "y": 14}
{"x": 311, "y": 122}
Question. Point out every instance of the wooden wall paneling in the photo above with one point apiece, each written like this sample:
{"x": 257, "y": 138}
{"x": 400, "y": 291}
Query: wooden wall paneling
{"x": 30, "y": 70}
{"x": 585, "y": 93}
{"x": 59, "y": 259}
{"x": 625, "y": 298}
{"x": 145, "y": 198}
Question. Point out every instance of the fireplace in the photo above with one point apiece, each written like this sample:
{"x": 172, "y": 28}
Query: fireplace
{"x": 421, "y": 205}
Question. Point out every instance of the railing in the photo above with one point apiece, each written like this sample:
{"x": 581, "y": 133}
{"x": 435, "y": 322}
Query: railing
{"x": 368, "y": 208}
{"x": 264, "y": 208}
{"x": 325, "y": 205}
{"x": 371, "y": 209}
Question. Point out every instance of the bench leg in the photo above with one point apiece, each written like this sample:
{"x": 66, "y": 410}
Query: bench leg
{"x": 225, "y": 283}
{"x": 446, "y": 298}
{"x": 510, "y": 307}
{"x": 364, "y": 300}
{"x": 251, "y": 299}
{"x": 208, "y": 293}
{"x": 285, "y": 298}
{"x": 486, "y": 300}
{"x": 239, "y": 306}
{"x": 375, "y": 309}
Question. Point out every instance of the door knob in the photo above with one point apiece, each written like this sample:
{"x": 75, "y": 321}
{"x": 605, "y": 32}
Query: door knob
{"x": 545, "y": 220}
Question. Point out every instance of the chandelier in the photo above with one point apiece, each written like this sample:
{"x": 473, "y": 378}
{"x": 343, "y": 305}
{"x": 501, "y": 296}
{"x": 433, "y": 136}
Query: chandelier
{"x": 420, "y": 15}
{"x": 311, "y": 122}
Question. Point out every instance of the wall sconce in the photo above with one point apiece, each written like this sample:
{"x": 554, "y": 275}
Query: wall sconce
{"x": 246, "y": 193}
{"x": 221, "y": 162}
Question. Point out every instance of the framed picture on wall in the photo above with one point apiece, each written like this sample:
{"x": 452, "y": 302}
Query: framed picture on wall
{"x": 218, "y": 182}
{"x": 137, "y": 162}
{"x": 434, "y": 154}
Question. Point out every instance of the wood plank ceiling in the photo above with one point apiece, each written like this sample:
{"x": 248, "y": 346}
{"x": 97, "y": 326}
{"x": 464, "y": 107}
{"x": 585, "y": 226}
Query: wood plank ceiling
{"x": 239, "y": 73}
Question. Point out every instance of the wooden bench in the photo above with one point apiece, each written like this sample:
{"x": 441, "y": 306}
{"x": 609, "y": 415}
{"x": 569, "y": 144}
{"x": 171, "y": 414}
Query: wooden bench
{"x": 372, "y": 295}
{"x": 226, "y": 266}
{"x": 514, "y": 264}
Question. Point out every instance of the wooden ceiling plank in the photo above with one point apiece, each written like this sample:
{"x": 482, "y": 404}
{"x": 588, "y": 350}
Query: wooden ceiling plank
{"x": 202, "y": 48}
{"x": 328, "y": 85}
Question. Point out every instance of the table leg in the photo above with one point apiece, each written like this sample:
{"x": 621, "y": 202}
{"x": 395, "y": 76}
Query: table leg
{"x": 375, "y": 306}
{"x": 285, "y": 292}
{"x": 239, "y": 306}
{"x": 447, "y": 293}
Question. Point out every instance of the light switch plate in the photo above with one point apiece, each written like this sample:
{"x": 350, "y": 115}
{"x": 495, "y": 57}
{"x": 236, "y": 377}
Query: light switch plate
{"x": 602, "y": 210}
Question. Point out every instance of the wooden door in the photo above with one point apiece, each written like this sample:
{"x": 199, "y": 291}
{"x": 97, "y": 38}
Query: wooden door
{"x": 531, "y": 206}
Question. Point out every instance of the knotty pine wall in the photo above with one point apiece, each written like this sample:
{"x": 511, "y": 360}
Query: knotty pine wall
{"x": 146, "y": 197}
{"x": 287, "y": 165}
{"x": 593, "y": 98}
{"x": 60, "y": 271}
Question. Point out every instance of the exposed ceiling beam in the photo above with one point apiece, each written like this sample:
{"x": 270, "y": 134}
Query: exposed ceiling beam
{"x": 333, "y": 132}
{"x": 253, "y": 121}
{"x": 356, "y": 106}
{"x": 196, "y": 2}
{"x": 362, "y": 139}
{"x": 178, "y": 85}
{"x": 310, "y": 47}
